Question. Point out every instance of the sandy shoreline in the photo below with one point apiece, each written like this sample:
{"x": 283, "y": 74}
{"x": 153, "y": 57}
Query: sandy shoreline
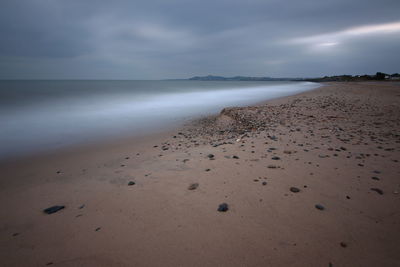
{"x": 334, "y": 144}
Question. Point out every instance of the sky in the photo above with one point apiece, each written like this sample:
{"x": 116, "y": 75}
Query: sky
{"x": 159, "y": 39}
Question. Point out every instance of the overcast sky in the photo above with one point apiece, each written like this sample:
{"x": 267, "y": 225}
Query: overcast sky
{"x": 156, "y": 39}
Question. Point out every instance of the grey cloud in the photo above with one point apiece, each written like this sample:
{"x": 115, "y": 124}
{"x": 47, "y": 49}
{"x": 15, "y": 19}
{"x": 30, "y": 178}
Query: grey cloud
{"x": 124, "y": 39}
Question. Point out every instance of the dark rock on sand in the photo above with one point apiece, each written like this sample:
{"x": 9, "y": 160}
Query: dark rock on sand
{"x": 276, "y": 158}
{"x": 319, "y": 207}
{"x": 264, "y": 183}
{"x": 210, "y": 156}
{"x": 53, "y": 209}
{"x": 131, "y": 183}
{"x": 223, "y": 207}
{"x": 379, "y": 191}
{"x": 294, "y": 189}
{"x": 343, "y": 244}
{"x": 193, "y": 186}
{"x": 235, "y": 157}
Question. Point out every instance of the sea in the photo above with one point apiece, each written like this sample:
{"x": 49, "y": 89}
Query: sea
{"x": 43, "y": 115}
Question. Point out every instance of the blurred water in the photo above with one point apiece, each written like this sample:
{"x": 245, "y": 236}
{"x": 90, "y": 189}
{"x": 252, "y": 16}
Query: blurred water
{"x": 43, "y": 115}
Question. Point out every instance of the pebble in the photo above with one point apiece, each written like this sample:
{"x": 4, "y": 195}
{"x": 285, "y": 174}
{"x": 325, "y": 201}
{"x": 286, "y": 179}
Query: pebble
{"x": 210, "y": 156}
{"x": 379, "y": 191}
{"x": 264, "y": 183}
{"x": 319, "y": 207}
{"x": 53, "y": 209}
{"x": 223, "y": 207}
{"x": 276, "y": 158}
{"x": 131, "y": 183}
{"x": 294, "y": 189}
{"x": 193, "y": 186}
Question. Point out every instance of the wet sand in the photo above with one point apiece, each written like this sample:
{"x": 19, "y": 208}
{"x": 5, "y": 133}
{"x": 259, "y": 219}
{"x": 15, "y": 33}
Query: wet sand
{"x": 336, "y": 148}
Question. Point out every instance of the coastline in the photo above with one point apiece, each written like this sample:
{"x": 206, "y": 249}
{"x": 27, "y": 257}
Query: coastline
{"x": 331, "y": 143}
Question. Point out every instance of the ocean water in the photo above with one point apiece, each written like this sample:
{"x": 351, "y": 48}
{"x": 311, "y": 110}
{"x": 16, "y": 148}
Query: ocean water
{"x": 43, "y": 115}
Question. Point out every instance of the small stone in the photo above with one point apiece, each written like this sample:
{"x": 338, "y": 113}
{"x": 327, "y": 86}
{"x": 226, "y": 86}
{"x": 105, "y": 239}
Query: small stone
{"x": 319, "y": 207}
{"x": 272, "y": 166}
{"x": 343, "y": 244}
{"x": 193, "y": 186}
{"x": 223, "y": 207}
{"x": 235, "y": 157}
{"x": 131, "y": 183}
{"x": 264, "y": 183}
{"x": 276, "y": 158}
{"x": 98, "y": 229}
{"x": 294, "y": 189}
{"x": 210, "y": 156}
{"x": 375, "y": 178}
{"x": 379, "y": 191}
{"x": 207, "y": 170}
{"x": 53, "y": 209}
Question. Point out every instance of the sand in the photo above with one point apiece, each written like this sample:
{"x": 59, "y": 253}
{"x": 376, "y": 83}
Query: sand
{"x": 333, "y": 144}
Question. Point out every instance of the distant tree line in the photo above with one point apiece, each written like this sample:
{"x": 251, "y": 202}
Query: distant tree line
{"x": 379, "y": 76}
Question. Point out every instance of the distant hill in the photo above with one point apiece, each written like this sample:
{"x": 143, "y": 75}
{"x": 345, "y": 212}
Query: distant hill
{"x": 237, "y": 78}
{"x": 337, "y": 78}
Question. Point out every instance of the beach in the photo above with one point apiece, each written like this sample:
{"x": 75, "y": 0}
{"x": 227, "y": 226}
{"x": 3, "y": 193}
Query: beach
{"x": 310, "y": 179}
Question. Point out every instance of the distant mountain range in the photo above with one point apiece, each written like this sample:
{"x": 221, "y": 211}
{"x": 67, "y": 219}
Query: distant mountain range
{"x": 238, "y": 78}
